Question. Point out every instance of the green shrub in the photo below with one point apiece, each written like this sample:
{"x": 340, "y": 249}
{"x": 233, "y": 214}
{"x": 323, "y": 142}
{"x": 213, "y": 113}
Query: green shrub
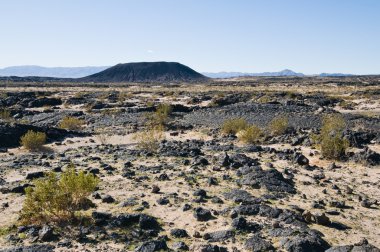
{"x": 278, "y": 125}
{"x": 5, "y": 115}
{"x": 233, "y": 126}
{"x": 33, "y": 140}
{"x": 333, "y": 145}
{"x": 250, "y": 135}
{"x": 71, "y": 123}
{"x": 56, "y": 200}
{"x": 162, "y": 113}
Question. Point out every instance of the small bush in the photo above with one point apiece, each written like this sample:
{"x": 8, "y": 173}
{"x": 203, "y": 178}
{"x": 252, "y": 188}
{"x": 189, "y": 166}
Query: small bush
{"x": 122, "y": 96}
{"x": 56, "y": 199}
{"x": 347, "y": 105}
{"x": 71, "y": 123}
{"x": 5, "y": 115}
{"x": 264, "y": 99}
{"x": 33, "y": 140}
{"x": 233, "y": 126}
{"x": 290, "y": 95}
{"x": 333, "y": 145}
{"x": 162, "y": 113}
{"x": 278, "y": 125}
{"x": 250, "y": 135}
{"x": 150, "y": 138}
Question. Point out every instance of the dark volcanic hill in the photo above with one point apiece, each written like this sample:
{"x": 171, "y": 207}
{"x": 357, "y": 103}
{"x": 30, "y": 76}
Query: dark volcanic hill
{"x": 146, "y": 72}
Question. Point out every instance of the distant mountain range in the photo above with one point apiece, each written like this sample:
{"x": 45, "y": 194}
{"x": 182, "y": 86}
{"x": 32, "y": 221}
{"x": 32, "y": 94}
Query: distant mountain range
{"x": 57, "y": 72}
{"x": 285, "y": 72}
{"x": 80, "y": 72}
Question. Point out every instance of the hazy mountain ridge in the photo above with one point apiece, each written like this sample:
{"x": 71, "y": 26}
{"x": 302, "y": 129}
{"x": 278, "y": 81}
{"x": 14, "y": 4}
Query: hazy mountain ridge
{"x": 285, "y": 72}
{"x": 80, "y": 72}
{"x": 57, "y": 72}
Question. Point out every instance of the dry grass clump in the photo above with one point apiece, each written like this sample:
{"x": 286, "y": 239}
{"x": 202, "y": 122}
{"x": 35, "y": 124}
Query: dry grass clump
{"x": 250, "y": 135}
{"x": 150, "y": 138}
{"x": 348, "y": 105}
{"x": 71, "y": 123}
{"x": 278, "y": 126}
{"x": 5, "y": 114}
{"x": 33, "y": 140}
{"x": 332, "y": 143}
{"x": 233, "y": 126}
{"x": 122, "y": 96}
{"x": 264, "y": 99}
{"x": 54, "y": 199}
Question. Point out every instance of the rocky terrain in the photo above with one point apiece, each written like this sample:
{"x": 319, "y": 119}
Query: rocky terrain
{"x": 201, "y": 190}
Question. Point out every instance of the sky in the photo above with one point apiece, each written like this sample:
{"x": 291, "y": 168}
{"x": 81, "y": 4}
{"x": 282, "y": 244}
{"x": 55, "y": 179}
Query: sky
{"x": 207, "y": 35}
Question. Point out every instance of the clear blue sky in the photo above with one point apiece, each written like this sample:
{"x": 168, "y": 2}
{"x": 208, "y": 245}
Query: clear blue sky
{"x": 224, "y": 35}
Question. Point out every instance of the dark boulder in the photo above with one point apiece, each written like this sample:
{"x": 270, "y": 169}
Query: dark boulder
{"x": 151, "y": 246}
{"x": 258, "y": 244}
{"x": 178, "y": 233}
{"x": 46, "y": 233}
{"x": 218, "y": 236}
{"x": 202, "y": 214}
{"x": 304, "y": 242}
{"x": 212, "y": 248}
{"x": 362, "y": 246}
{"x": 42, "y": 102}
{"x": 241, "y": 196}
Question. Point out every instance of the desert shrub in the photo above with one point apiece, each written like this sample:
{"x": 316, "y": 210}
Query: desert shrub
{"x": 33, "y": 140}
{"x": 290, "y": 95}
{"x": 149, "y": 104}
{"x": 233, "y": 126}
{"x": 333, "y": 145}
{"x": 122, "y": 96}
{"x": 162, "y": 113}
{"x": 3, "y": 95}
{"x": 80, "y": 94}
{"x": 5, "y": 115}
{"x": 71, "y": 123}
{"x": 250, "y": 135}
{"x": 278, "y": 125}
{"x": 56, "y": 199}
{"x": 347, "y": 105}
{"x": 150, "y": 138}
{"x": 264, "y": 99}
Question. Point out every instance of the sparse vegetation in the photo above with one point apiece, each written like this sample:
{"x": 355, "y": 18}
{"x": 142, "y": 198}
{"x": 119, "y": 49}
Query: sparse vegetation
{"x": 250, "y": 135}
{"x": 55, "y": 200}
{"x": 71, "y": 123}
{"x": 233, "y": 126}
{"x": 278, "y": 125}
{"x": 102, "y": 136}
{"x": 347, "y": 105}
{"x": 333, "y": 145}
{"x": 33, "y": 140}
{"x": 150, "y": 138}
{"x": 162, "y": 113}
{"x": 5, "y": 114}
{"x": 122, "y": 96}
{"x": 264, "y": 99}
